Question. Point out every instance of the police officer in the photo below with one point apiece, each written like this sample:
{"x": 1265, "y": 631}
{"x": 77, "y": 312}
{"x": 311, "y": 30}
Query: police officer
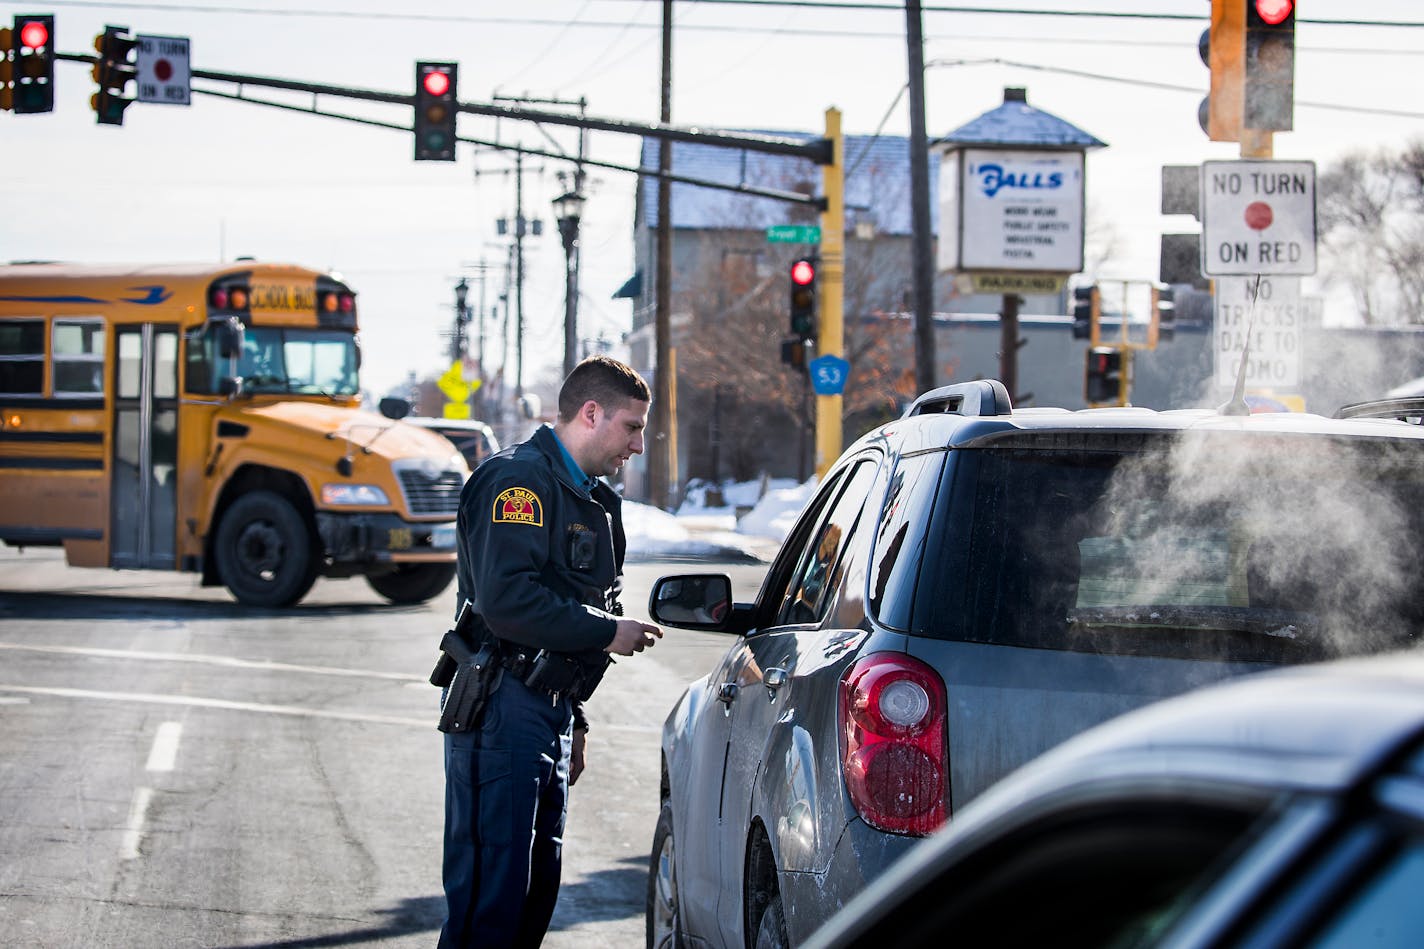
{"x": 540, "y": 559}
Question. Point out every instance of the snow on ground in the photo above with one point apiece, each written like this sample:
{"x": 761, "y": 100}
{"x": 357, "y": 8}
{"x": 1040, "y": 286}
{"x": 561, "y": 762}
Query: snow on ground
{"x": 768, "y": 508}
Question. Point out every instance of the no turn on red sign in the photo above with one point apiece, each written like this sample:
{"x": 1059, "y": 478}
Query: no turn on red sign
{"x": 1258, "y": 217}
{"x": 163, "y": 69}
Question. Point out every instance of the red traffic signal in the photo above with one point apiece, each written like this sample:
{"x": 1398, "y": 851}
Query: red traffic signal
{"x": 435, "y": 111}
{"x": 803, "y": 299}
{"x": 32, "y": 70}
{"x": 1274, "y": 12}
{"x": 34, "y": 34}
{"x": 1269, "y": 88}
{"x": 436, "y": 83}
{"x": 1103, "y": 377}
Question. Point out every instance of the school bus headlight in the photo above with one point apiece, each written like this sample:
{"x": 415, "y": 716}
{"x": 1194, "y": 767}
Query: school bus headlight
{"x": 368, "y": 494}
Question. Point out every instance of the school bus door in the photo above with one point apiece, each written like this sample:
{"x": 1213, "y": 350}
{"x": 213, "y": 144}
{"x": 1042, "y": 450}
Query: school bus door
{"x": 144, "y": 483}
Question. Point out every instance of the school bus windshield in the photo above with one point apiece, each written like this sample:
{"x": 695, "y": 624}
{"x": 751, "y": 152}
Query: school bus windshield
{"x": 285, "y": 360}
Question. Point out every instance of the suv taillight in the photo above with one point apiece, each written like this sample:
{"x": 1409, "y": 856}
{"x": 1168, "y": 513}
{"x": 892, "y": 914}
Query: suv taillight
{"x": 893, "y": 749}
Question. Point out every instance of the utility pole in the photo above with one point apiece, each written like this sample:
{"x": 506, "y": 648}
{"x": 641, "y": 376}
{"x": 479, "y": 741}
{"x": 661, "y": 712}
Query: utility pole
{"x": 923, "y": 265}
{"x": 568, "y": 210}
{"x": 830, "y": 340}
{"x": 663, "y": 419}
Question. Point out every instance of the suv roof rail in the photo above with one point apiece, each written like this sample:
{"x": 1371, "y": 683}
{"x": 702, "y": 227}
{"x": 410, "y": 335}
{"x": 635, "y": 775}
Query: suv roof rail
{"x": 980, "y": 397}
{"x": 1410, "y": 407}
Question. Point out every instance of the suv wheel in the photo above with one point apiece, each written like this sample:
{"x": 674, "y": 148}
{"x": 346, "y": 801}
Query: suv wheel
{"x": 771, "y": 934}
{"x": 663, "y": 920}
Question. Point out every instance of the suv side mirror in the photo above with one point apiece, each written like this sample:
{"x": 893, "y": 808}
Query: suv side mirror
{"x": 692, "y": 601}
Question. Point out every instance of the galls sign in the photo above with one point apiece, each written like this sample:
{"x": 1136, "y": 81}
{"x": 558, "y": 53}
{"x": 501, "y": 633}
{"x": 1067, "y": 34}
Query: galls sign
{"x": 1011, "y": 210}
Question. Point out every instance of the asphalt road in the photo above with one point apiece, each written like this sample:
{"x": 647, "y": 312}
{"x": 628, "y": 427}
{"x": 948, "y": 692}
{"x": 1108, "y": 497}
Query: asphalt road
{"x": 177, "y": 770}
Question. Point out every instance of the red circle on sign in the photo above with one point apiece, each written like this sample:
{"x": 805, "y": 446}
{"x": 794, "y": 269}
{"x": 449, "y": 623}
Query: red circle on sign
{"x": 1259, "y": 215}
{"x": 163, "y": 70}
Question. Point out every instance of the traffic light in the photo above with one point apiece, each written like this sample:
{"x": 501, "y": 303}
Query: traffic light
{"x": 1270, "y": 65}
{"x": 113, "y": 72}
{"x": 803, "y": 298}
{"x": 1164, "y": 312}
{"x": 7, "y": 71}
{"x": 1087, "y": 307}
{"x": 32, "y": 72}
{"x": 435, "y": 111}
{"x": 793, "y": 352}
{"x": 1222, "y": 48}
{"x": 1103, "y": 383}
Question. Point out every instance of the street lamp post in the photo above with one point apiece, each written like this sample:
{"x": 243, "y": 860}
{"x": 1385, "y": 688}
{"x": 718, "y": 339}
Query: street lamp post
{"x": 462, "y": 317}
{"x": 568, "y": 207}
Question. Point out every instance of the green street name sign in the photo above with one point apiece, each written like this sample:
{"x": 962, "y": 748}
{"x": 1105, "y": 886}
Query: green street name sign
{"x": 793, "y": 234}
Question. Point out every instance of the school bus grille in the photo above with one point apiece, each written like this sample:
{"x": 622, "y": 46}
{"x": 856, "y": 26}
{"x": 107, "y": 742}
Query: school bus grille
{"x": 424, "y": 495}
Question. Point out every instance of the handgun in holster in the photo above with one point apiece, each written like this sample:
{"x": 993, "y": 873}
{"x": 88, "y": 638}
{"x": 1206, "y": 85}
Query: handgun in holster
{"x": 467, "y": 671}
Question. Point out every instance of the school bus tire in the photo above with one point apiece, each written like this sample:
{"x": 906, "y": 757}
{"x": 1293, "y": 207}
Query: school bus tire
{"x": 264, "y": 551}
{"x": 413, "y": 583}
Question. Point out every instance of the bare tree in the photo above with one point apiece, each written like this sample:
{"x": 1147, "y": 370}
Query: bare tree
{"x": 1371, "y": 224}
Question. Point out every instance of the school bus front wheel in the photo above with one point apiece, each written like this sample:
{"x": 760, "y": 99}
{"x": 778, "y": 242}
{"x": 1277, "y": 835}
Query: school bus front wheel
{"x": 264, "y": 551}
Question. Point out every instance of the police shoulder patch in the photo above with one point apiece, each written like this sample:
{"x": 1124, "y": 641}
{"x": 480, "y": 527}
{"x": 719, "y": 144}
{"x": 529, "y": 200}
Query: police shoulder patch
{"x": 518, "y": 506}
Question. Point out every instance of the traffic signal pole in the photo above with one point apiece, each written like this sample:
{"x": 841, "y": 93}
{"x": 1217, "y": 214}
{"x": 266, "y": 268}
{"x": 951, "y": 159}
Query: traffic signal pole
{"x": 831, "y": 335}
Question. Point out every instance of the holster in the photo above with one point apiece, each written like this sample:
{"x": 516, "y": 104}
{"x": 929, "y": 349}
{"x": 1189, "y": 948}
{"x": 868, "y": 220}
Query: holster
{"x": 469, "y": 675}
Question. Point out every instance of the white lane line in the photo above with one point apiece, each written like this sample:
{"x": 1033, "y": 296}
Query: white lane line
{"x": 13, "y": 700}
{"x": 133, "y": 829}
{"x": 226, "y": 661}
{"x": 198, "y": 702}
{"x": 164, "y": 753}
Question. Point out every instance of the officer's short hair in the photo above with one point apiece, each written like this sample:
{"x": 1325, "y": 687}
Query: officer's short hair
{"x": 604, "y": 380}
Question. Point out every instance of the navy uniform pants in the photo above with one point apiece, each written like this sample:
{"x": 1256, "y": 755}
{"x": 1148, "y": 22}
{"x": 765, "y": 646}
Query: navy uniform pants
{"x": 506, "y": 797}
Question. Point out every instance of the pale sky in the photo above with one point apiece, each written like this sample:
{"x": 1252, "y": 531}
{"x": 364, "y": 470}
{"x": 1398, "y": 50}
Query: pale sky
{"x": 221, "y": 179}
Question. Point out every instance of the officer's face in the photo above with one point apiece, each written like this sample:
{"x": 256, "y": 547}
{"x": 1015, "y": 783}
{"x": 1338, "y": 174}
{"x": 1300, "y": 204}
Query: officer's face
{"x": 617, "y": 436}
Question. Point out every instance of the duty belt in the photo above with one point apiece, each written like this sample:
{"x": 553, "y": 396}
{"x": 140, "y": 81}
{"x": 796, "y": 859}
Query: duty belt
{"x": 549, "y": 673}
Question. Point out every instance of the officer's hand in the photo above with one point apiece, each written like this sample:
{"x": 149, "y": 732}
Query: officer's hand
{"x": 631, "y": 636}
{"x": 576, "y": 756}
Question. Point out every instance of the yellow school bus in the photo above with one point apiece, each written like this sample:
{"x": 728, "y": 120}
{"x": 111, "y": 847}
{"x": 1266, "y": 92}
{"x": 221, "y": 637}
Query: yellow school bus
{"x": 207, "y": 418}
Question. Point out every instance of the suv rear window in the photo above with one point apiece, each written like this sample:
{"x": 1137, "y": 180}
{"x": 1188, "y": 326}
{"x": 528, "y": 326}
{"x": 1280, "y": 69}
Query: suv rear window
{"x": 1255, "y": 548}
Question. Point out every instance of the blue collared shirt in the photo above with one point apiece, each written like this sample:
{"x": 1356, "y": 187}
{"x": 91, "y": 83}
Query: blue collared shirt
{"x": 582, "y": 480}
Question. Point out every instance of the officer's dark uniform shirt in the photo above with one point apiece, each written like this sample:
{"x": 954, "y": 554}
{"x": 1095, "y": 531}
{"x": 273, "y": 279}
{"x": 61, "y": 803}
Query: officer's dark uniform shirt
{"x": 541, "y": 552}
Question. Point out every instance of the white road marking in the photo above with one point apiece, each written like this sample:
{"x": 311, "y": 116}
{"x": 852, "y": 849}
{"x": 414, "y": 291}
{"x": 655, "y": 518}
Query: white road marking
{"x": 133, "y": 829}
{"x": 199, "y": 702}
{"x": 228, "y": 661}
{"x": 13, "y": 700}
{"x": 164, "y": 753}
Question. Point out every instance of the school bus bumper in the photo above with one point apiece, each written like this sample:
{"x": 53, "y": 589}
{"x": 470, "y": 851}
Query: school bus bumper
{"x": 384, "y": 538}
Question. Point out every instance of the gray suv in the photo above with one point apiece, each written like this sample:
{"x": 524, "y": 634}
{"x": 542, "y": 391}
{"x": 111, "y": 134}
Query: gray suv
{"x": 973, "y": 584}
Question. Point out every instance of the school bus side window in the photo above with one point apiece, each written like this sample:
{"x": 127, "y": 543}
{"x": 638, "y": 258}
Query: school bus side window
{"x": 22, "y": 357}
{"x": 78, "y": 347}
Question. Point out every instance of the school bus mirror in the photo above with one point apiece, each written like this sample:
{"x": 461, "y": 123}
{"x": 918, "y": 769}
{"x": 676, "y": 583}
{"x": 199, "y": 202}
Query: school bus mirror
{"x": 393, "y": 407}
{"x": 230, "y": 386}
{"x": 230, "y": 337}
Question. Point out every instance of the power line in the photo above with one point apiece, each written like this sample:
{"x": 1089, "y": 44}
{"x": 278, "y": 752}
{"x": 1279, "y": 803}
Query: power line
{"x": 564, "y": 23}
{"x": 899, "y": 8}
{"x": 1148, "y": 83}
